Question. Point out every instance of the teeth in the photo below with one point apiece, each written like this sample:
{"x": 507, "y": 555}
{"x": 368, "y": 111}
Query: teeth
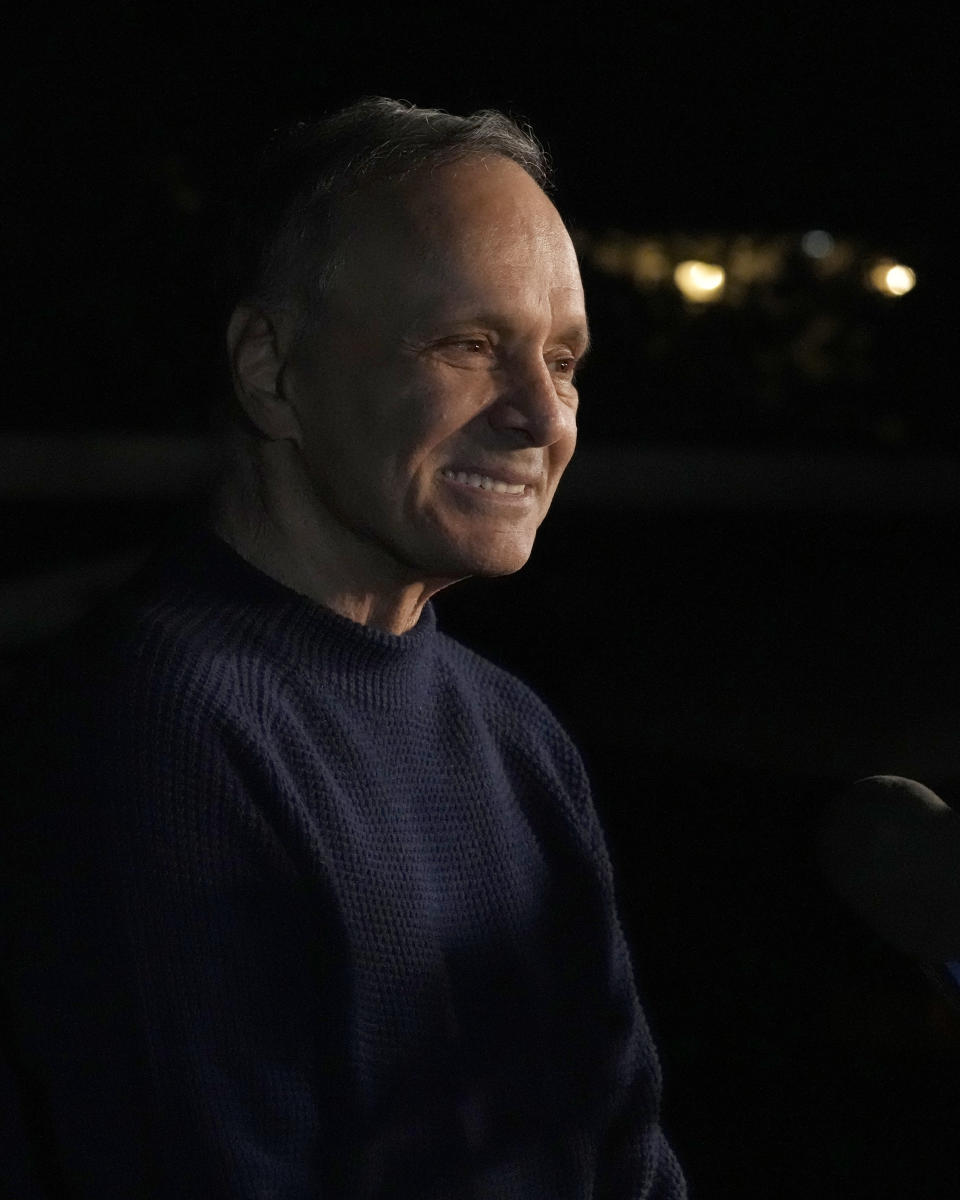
{"x": 471, "y": 479}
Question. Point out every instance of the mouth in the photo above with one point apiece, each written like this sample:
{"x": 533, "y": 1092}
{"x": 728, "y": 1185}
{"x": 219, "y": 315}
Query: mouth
{"x": 506, "y": 485}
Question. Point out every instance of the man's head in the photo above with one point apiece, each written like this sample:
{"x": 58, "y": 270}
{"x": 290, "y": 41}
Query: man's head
{"x": 409, "y": 331}
{"x": 284, "y": 247}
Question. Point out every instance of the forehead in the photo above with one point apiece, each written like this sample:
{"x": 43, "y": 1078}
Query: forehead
{"x": 463, "y": 228}
{"x": 489, "y": 198}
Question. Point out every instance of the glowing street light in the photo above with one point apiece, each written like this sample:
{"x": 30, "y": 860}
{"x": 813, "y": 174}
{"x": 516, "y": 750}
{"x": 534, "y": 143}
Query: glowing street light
{"x": 892, "y": 278}
{"x": 700, "y": 281}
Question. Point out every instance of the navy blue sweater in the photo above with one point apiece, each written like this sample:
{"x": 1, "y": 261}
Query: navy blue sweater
{"x": 296, "y": 908}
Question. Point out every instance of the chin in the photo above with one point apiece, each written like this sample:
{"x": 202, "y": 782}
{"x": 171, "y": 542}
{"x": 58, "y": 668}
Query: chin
{"x": 489, "y": 562}
{"x": 486, "y": 561}
{"x": 494, "y": 566}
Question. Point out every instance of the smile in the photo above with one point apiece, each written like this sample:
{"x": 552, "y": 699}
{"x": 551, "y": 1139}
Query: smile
{"x": 485, "y": 482}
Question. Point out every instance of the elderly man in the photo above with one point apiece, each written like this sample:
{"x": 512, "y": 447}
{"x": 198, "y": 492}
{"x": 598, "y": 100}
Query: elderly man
{"x": 312, "y": 901}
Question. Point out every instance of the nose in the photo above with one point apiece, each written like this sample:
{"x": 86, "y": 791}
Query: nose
{"x": 531, "y": 408}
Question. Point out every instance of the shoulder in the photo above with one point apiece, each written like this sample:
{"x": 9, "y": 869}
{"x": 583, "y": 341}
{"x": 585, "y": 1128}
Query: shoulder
{"x": 150, "y": 676}
{"x": 496, "y": 688}
{"x": 521, "y": 721}
{"x": 138, "y": 742}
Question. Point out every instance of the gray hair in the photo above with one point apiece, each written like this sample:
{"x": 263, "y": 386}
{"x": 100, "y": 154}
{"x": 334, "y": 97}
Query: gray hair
{"x": 284, "y": 249}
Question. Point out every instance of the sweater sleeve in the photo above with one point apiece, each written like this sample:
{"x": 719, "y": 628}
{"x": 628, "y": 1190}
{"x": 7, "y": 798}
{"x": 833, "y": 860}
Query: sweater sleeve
{"x": 160, "y": 964}
{"x": 635, "y": 1159}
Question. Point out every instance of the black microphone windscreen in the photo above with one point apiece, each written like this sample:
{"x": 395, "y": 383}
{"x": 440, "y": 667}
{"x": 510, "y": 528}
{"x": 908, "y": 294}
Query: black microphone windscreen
{"x": 891, "y": 849}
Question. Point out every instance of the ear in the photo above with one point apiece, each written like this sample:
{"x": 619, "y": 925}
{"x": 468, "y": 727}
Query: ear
{"x": 256, "y": 364}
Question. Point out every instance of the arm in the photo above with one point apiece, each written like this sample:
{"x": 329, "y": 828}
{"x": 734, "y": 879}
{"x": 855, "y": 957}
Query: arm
{"x": 635, "y": 1159}
{"x": 160, "y": 972}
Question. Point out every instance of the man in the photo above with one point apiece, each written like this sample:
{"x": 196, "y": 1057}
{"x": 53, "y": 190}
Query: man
{"x": 313, "y": 901}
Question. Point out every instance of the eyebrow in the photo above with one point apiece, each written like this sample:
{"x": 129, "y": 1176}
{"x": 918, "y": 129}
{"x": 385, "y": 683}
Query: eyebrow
{"x": 580, "y": 333}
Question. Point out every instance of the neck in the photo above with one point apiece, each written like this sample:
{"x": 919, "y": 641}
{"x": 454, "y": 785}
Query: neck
{"x": 266, "y": 509}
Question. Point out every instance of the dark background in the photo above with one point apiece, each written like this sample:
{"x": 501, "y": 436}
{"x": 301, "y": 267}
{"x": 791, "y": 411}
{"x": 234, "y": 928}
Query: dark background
{"x": 747, "y": 595}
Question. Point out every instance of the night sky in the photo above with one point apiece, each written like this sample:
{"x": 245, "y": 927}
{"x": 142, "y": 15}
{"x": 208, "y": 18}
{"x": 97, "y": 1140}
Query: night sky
{"x": 660, "y": 115}
{"x": 128, "y": 121}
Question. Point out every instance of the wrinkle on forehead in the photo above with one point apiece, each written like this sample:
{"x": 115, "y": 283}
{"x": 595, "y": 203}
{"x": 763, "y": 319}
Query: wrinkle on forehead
{"x": 467, "y": 222}
{"x": 478, "y": 200}
{"x": 490, "y": 221}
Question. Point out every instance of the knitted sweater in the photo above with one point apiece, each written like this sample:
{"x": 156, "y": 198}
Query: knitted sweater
{"x": 297, "y": 908}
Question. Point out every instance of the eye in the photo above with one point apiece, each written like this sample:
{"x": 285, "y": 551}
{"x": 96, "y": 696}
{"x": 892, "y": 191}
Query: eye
{"x": 565, "y": 366}
{"x": 471, "y": 345}
{"x": 467, "y": 352}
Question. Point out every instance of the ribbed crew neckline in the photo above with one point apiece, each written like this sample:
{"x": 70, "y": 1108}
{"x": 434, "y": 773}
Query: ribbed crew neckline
{"x": 374, "y": 666}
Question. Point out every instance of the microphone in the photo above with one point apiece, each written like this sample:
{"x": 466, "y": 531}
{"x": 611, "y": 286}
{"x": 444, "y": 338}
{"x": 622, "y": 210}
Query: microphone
{"x": 891, "y": 849}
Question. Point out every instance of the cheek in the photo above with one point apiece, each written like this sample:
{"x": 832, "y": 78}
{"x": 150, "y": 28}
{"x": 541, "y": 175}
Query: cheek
{"x": 562, "y": 450}
{"x": 425, "y": 420}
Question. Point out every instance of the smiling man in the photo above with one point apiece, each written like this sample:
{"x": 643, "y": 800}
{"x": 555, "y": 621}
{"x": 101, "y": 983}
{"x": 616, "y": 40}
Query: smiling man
{"x": 309, "y": 899}
{"x": 414, "y": 432}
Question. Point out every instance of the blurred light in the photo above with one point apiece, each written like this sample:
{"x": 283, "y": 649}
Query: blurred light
{"x": 699, "y": 280}
{"x": 650, "y": 263}
{"x": 751, "y": 260}
{"x": 892, "y": 279}
{"x": 816, "y": 243}
{"x": 610, "y": 256}
{"x": 841, "y": 258}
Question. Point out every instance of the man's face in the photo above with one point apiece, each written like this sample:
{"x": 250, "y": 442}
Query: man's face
{"x": 435, "y": 390}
